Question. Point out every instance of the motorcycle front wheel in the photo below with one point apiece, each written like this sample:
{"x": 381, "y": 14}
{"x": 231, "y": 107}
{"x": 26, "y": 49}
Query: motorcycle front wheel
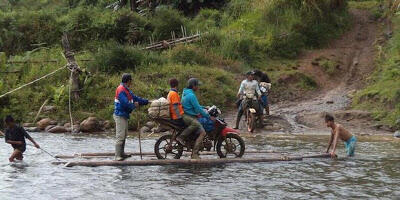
{"x": 167, "y": 148}
{"x": 251, "y": 121}
{"x": 231, "y": 146}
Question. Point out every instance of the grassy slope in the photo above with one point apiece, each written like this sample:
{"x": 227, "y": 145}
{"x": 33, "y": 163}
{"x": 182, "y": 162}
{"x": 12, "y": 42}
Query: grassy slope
{"x": 382, "y": 95}
{"x": 245, "y": 35}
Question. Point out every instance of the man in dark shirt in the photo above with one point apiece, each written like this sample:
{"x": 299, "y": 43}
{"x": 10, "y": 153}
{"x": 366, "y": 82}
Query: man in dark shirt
{"x": 15, "y": 135}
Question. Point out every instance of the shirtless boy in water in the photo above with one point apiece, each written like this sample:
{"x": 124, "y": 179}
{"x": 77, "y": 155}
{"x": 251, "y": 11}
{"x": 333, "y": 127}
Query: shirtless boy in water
{"x": 15, "y": 135}
{"x": 338, "y": 131}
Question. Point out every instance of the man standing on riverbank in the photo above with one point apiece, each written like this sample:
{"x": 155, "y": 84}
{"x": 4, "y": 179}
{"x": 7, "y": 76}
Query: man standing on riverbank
{"x": 125, "y": 102}
{"x": 15, "y": 135}
{"x": 338, "y": 131}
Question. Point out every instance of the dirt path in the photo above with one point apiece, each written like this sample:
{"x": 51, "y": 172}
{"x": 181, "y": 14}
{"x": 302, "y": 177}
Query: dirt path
{"x": 353, "y": 58}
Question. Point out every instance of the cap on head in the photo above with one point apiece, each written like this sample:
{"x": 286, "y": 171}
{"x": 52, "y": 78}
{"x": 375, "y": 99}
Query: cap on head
{"x": 192, "y": 82}
{"x": 173, "y": 82}
{"x": 126, "y": 78}
{"x": 250, "y": 73}
{"x": 9, "y": 119}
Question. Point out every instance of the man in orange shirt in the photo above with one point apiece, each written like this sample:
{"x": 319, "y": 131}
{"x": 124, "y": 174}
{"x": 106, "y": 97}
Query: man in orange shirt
{"x": 177, "y": 113}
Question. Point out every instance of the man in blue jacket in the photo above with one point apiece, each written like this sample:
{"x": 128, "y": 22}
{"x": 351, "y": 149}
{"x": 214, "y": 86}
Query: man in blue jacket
{"x": 193, "y": 110}
{"x": 125, "y": 102}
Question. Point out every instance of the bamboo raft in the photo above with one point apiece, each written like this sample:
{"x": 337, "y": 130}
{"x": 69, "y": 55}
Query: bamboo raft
{"x": 278, "y": 157}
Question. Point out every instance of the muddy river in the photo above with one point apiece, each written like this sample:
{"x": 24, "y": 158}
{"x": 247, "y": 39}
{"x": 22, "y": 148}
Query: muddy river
{"x": 373, "y": 173}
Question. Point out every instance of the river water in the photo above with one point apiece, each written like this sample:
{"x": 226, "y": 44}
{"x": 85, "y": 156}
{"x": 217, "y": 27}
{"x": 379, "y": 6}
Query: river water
{"x": 373, "y": 173}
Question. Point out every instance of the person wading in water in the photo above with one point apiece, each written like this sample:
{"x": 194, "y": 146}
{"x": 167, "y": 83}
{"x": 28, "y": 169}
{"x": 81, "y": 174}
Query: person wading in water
{"x": 338, "y": 131}
{"x": 15, "y": 135}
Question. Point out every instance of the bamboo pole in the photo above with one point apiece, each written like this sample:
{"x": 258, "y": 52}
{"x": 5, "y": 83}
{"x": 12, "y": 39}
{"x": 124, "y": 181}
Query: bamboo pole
{"x": 176, "y": 162}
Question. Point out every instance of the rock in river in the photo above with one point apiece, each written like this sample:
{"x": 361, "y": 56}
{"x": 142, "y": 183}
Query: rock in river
{"x": 49, "y": 127}
{"x": 91, "y": 124}
{"x": 43, "y": 123}
{"x": 57, "y": 129}
{"x": 397, "y": 134}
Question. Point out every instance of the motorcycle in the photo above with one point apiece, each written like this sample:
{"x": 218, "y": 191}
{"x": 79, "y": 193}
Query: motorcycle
{"x": 250, "y": 112}
{"x": 226, "y": 141}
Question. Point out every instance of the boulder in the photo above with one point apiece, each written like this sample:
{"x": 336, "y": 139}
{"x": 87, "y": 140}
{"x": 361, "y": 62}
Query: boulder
{"x": 32, "y": 129}
{"x": 67, "y": 125}
{"x": 144, "y": 129}
{"x": 53, "y": 122}
{"x": 43, "y": 123}
{"x": 397, "y": 134}
{"x": 91, "y": 124}
{"x": 107, "y": 124}
{"x": 49, "y": 127}
{"x": 57, "y": 129}
{"x": 159, "y": 129}
{"x": 151, "y": 124}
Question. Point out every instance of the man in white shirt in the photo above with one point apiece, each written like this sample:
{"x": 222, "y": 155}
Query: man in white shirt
{"x": 249, "y": 91}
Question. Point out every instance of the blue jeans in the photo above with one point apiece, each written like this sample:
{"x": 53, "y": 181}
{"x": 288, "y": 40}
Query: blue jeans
{"x": 264, "y": 100}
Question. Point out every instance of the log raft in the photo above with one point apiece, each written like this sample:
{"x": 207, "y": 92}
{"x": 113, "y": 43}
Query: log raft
{"x": 187, "y": 162}
{"x": 110, "y": 154}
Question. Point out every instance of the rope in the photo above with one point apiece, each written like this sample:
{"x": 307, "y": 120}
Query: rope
{"x": 34, "y": 81}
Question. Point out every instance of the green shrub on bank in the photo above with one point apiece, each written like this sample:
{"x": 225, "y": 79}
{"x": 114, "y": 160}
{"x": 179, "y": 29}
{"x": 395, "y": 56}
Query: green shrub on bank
{"x": 189, "y": 54}
{"x": 165, "y": 21}
{"x": 116, "y": 58}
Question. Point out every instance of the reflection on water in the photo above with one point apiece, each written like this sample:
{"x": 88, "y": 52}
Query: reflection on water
{"x": 373, "y": 173}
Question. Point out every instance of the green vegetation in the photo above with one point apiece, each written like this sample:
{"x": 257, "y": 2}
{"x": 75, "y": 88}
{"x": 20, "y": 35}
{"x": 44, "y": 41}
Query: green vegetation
{"x": 374, "y": 6}
{"x": 263, "y": 34}
{"x": 382, "y": 95}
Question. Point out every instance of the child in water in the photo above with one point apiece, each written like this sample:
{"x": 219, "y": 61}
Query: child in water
{"x": 338, "y": 131}
{"x": 15, "y": 135}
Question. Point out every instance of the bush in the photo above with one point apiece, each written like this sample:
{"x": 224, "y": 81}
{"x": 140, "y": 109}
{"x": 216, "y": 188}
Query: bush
{"x": 19, "y": 31}
{"x": 188, "y": 54}
{"x": 117, "y": 58}
{"x": 207, "y": 19}
{"x": 131, "y": 28}
{"x": 211, "y": 39}
{"x": 236, "y": 8}
{"x": 288, "y": 46}
{"x": 165, "y": 21}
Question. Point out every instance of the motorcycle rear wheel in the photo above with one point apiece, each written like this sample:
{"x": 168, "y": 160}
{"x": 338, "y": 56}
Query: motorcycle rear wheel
{"x": 166, "y": 148}
{"x": 230, "y": 145}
